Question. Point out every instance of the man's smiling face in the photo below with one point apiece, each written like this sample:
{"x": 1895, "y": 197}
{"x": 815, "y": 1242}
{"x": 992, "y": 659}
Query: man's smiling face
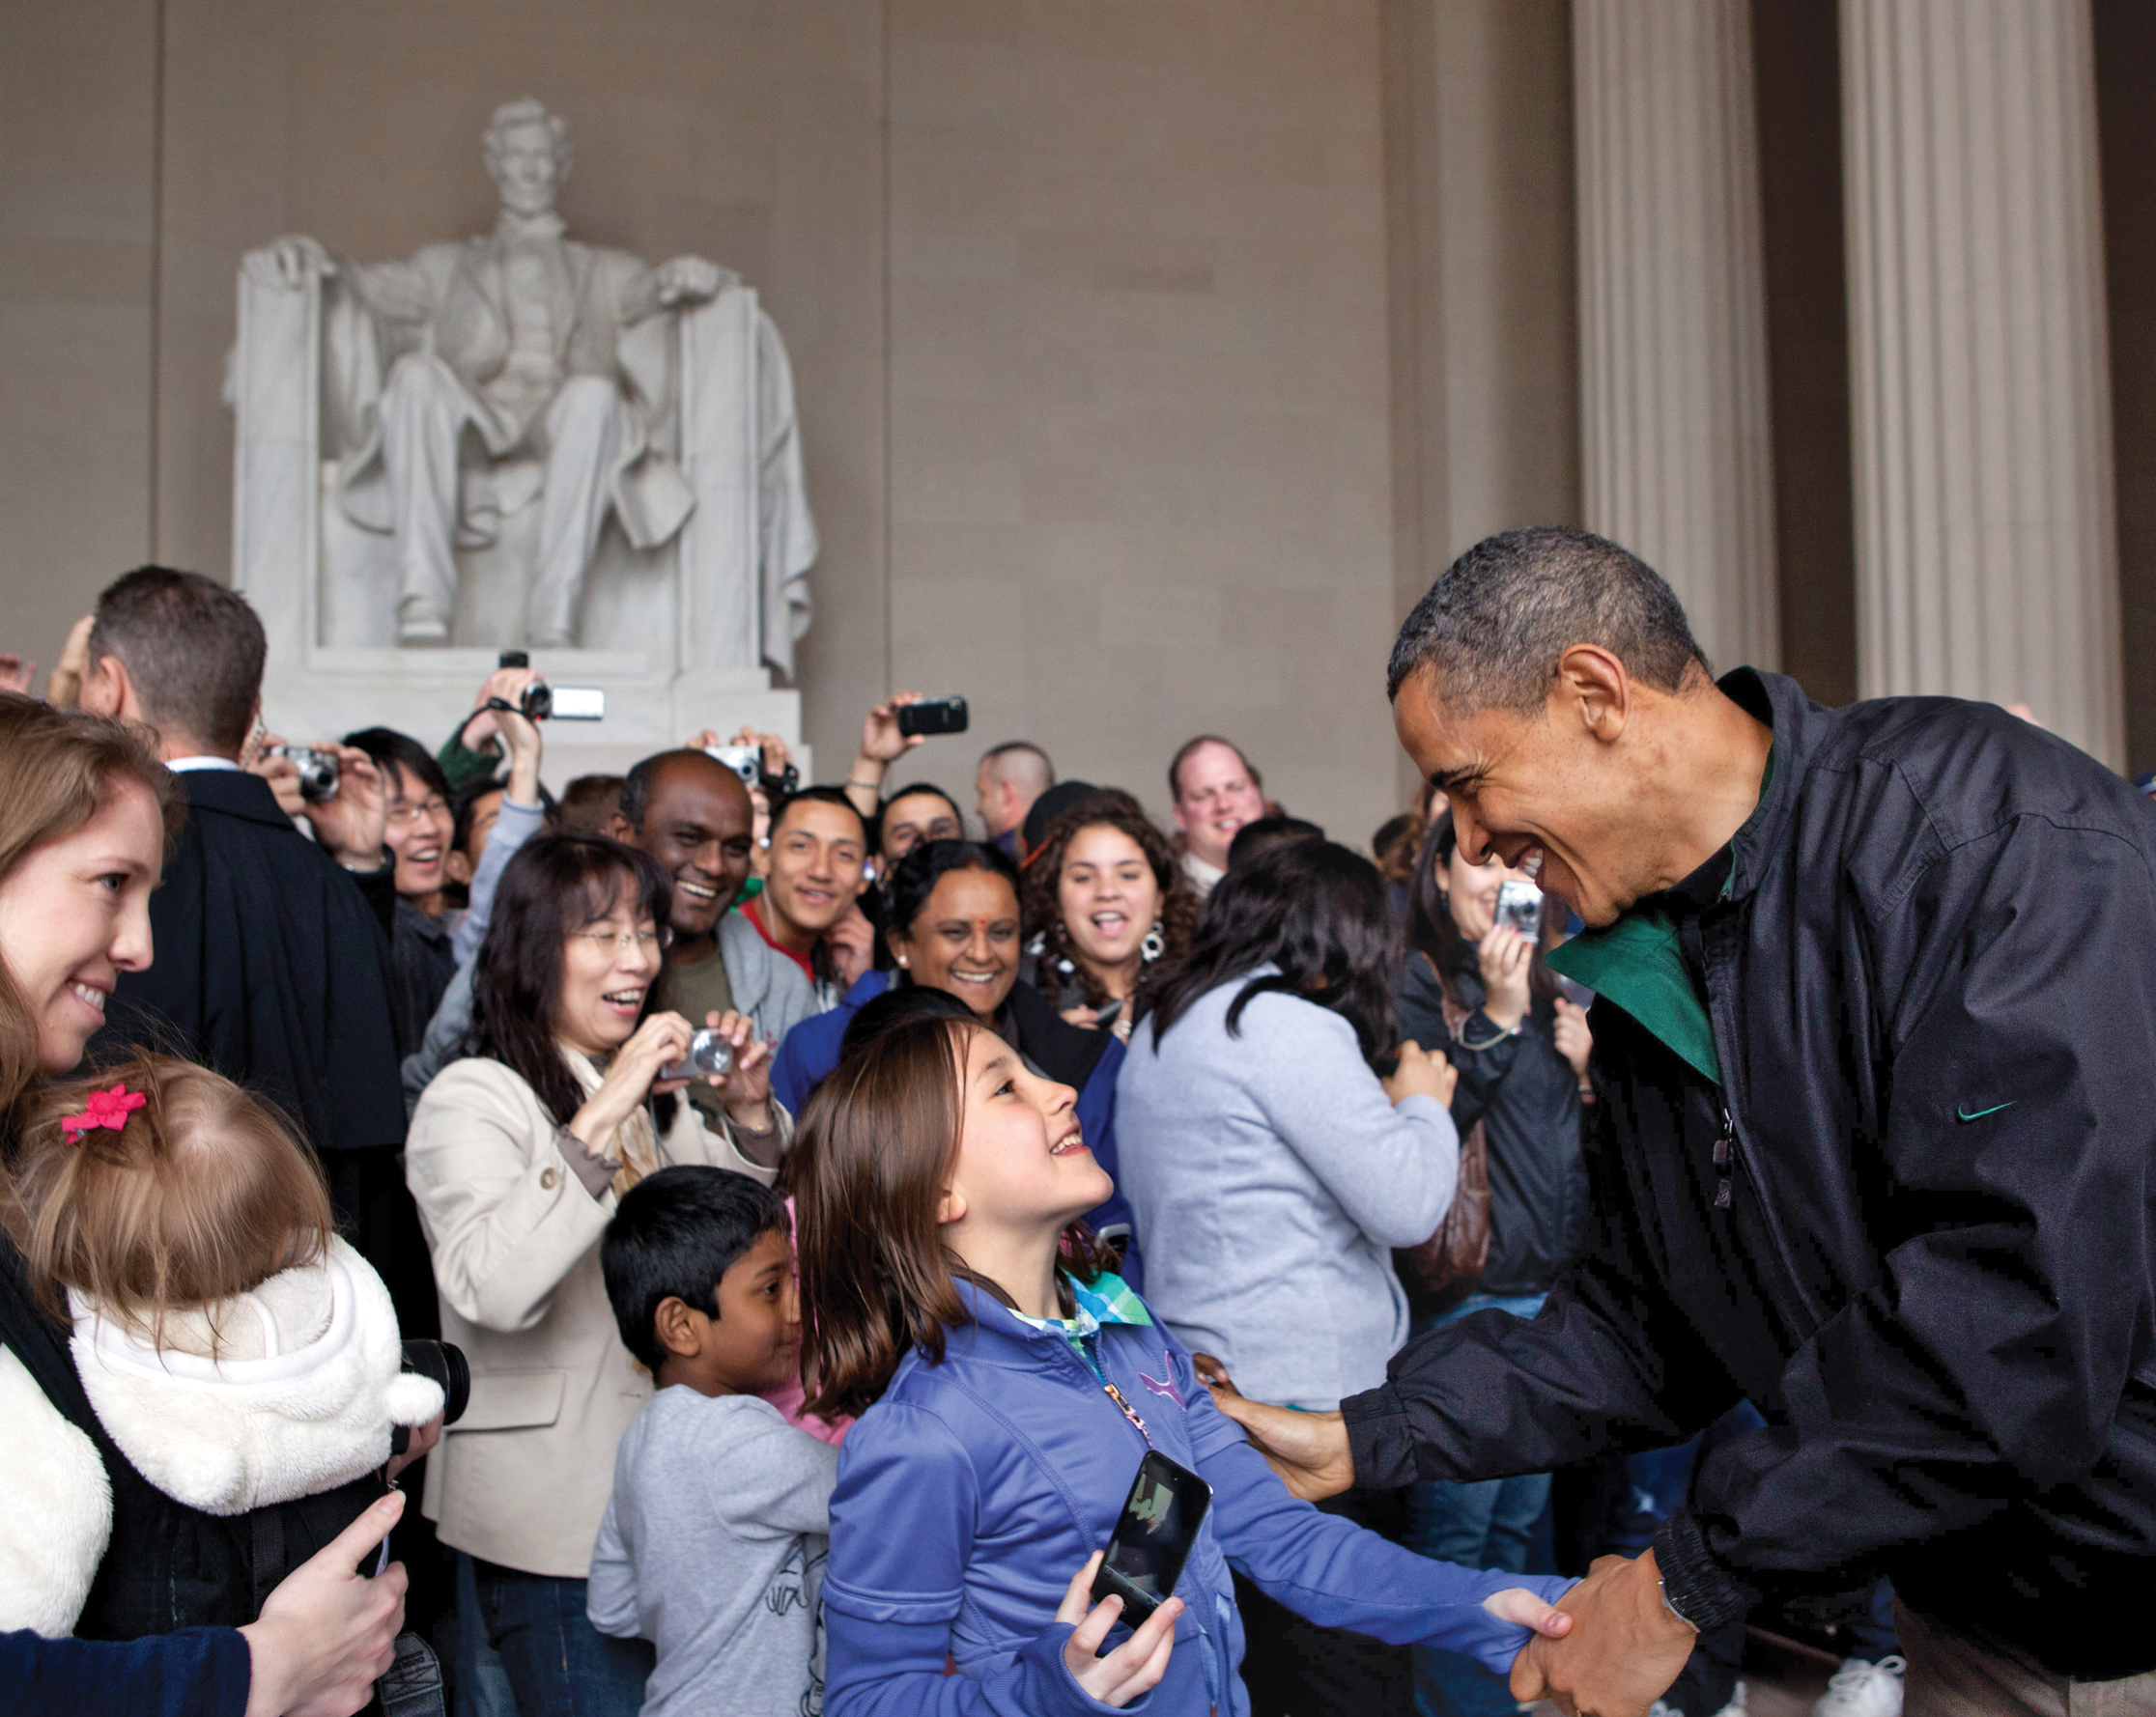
{"x": 1545, "y": 791}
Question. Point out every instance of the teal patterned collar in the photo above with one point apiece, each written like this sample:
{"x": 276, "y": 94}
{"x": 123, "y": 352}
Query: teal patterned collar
{"x": 1107, "y": 1299}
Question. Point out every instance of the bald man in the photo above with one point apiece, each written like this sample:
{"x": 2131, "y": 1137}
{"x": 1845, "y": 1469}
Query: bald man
{"x": 691, "y": 813}
{"x": 1009, "y": 779}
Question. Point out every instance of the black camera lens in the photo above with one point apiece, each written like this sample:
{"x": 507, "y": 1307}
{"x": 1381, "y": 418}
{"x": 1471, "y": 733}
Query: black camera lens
{"x": 538, "y": 700}
{"x": 447, "y": 1364}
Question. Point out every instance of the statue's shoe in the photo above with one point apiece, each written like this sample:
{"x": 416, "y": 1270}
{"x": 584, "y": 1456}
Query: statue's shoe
{"x": 421, "y": 623}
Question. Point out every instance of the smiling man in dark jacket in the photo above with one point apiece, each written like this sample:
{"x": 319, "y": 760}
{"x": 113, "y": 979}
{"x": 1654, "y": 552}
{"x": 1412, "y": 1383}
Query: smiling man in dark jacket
{"x": 1876, "y": 1040}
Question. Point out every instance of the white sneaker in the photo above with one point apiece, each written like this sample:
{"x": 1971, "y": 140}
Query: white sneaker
{"x": 1861, "y": 1689}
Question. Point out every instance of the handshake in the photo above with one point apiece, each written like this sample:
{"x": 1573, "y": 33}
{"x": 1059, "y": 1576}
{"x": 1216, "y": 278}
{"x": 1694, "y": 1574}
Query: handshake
{"x": 1624, "y": 1645}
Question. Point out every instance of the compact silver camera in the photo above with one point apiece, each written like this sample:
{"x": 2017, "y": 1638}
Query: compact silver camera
{"x": 709, "y": 1053}
{"x": 1520, "y": 906}
{"x": 746, "y": 761}
{"x": 318, "y": 770}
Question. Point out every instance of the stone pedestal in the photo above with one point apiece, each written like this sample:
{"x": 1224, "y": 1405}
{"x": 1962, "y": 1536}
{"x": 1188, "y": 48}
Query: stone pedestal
{"x": 1676, "y": 437}
{"x": 1986, "y": 558}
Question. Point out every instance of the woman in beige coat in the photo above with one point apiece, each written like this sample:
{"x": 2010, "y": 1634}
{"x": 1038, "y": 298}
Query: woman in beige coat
{"x": 516, "y": 1156}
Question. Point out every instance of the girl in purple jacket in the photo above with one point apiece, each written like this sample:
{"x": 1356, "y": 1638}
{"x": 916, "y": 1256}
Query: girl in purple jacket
{"x": 1008, "y": 1386}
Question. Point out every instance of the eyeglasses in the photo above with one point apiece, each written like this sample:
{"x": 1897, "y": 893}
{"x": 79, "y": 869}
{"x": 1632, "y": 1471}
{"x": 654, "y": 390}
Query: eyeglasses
{"x": 622, "y": 941}
{"x": 403, "y": 815}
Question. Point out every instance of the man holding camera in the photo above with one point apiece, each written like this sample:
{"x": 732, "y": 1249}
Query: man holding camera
{"x": 273, "y": 957}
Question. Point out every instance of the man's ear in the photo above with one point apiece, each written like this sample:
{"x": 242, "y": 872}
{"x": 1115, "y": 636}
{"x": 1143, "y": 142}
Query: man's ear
{"x": 1593, "y": 687}
{"x": 617, "y": 828}
{"x": 105, "y": 687}
{"x": 679, "y": 1327}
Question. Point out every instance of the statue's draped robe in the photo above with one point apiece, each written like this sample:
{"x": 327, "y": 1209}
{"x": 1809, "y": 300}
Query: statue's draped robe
{"x": 606, "y": 320}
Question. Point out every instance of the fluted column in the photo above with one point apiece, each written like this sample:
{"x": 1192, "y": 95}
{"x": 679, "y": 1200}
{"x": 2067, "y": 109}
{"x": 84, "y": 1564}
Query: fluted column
{"x": 1986, "y": 553}
{"x": 1676, "y": 437}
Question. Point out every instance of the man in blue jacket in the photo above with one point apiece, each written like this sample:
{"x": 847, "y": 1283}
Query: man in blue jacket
{"x": 1876, "y": 1043}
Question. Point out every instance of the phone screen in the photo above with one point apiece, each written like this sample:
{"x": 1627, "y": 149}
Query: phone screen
{"x": 1159, "y": 1524}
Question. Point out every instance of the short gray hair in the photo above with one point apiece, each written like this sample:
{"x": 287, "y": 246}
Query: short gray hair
{"x": 1494, "y": 625}
{"x": 527, "y": 110}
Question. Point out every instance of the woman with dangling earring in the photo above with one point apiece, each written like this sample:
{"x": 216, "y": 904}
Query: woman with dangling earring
{"x": 1105, "y": 902}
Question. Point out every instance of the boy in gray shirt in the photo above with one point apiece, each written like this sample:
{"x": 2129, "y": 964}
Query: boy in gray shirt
{"x": 713, "y": 1544}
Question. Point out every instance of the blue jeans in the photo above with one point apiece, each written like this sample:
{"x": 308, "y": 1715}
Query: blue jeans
{"x": 557, "y": 1663}
{"x": 1488, "y": 1523}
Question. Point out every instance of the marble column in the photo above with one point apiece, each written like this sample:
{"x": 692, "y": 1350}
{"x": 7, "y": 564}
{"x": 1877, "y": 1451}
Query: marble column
{"x": 1986, "y": 554}
{"x": 1676, "y": 438}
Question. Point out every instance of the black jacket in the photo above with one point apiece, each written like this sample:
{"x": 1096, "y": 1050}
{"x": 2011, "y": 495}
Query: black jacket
{"x": 272, "y": 964}
{"x": 1921, "y": 1241}
{"x": 1528, "y": 1098}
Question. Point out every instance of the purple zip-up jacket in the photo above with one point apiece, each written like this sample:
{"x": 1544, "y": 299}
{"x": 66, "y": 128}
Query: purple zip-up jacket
{"x": 972, "y": 1492}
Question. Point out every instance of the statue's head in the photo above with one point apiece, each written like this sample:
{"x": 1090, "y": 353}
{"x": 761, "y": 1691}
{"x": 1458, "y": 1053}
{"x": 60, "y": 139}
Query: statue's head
{"x": 527, "y": 155}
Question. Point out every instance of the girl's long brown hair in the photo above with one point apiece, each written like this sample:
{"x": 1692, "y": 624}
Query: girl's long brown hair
{"x": 874, "y": 1150}
{"x": 57, "y": 769}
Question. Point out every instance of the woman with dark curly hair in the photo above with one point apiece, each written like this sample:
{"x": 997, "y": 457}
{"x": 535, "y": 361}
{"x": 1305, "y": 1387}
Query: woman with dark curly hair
{"x": 1105, "y": 899}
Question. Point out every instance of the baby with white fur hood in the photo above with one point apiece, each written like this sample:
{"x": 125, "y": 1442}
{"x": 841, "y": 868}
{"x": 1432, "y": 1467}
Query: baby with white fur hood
{"x": 237, "y": 1353}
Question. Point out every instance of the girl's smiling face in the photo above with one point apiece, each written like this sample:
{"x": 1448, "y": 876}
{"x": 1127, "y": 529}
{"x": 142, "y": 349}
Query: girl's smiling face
{"x": 1023, "y": 1163}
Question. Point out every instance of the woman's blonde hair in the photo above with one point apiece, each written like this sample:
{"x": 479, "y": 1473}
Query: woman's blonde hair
{"x": 57, "y": 769}
{"x": 204, "y": 1192}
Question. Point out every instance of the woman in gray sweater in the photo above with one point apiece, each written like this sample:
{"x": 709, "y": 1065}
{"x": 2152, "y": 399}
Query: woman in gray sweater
{"x": 1271, "y": 1170}
{"x": 1269, "y": 1164}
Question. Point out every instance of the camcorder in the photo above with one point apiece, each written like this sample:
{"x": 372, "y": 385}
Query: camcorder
{"x": 543, "y": 702}
{"x": 319, "y": 777}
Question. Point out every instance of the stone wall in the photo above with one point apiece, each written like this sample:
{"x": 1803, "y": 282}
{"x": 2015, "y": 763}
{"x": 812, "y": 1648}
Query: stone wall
{"x": 1087, "y": 301}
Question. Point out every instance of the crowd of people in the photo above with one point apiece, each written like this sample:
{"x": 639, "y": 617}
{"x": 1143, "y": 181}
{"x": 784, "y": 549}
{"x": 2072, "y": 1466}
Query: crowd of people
{"x": 771, "y": 1226}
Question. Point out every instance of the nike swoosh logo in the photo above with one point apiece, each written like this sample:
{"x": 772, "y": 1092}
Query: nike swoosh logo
{"x": 1963, "y": 1114}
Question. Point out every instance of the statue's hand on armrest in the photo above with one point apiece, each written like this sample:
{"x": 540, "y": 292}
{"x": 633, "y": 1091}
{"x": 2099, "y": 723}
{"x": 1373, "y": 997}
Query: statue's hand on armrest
{"x": 286, "y": 263}
{"x": 690, "y": 279}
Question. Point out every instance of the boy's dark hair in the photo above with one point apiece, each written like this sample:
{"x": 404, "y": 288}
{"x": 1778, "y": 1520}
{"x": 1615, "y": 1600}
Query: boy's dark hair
{"x": 895, "y": 1007}
{"x": 1265, "y": 834}
{"x": 589, "y": 801}
{"x": 463, "y": 807}
{"x": 674, "y": 1234}
{"x": 392, "y": 750}
{"x": 193, "y": 651}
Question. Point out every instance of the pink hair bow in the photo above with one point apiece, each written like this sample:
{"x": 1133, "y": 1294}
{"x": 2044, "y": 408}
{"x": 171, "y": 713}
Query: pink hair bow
{"x": 107, "y": 1109}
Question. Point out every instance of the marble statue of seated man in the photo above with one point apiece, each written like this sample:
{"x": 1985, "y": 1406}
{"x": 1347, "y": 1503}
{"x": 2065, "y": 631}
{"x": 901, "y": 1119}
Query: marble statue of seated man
{"x": 517, "y": 353}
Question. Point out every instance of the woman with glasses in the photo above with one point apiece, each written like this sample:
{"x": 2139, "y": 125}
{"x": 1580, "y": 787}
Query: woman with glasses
{"x": 516, "y": 1157}
{"x": 419, "y": 834}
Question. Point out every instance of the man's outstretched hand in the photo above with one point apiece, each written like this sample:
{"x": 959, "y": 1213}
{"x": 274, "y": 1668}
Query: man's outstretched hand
{"x": 1625, "y": 1648}
{"x": 1309, "y": 1451}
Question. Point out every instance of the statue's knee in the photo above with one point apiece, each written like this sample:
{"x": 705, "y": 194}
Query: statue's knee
{"x": 585, "y": 398}
{"x": 416, "y": 379}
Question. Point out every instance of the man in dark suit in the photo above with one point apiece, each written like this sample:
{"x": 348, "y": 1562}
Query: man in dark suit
{"x": 272, "y": 958}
